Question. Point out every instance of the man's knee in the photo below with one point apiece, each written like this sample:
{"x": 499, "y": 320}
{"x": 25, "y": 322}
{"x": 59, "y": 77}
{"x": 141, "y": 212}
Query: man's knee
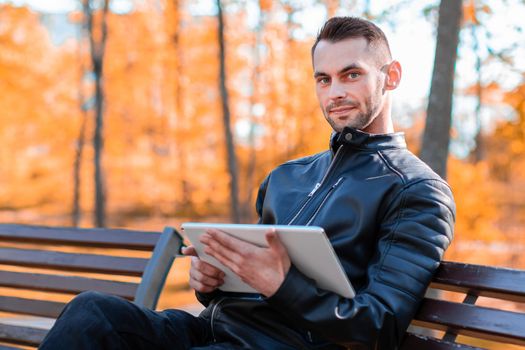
{"x": 94, "y": 307}
{"x": 91, "y": 300}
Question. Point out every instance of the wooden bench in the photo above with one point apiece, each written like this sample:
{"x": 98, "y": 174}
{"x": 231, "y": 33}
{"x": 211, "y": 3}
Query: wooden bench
{"x": 26, "y": 248}
{"x": 466, "y": 318}
{"x": 67, "y": 261}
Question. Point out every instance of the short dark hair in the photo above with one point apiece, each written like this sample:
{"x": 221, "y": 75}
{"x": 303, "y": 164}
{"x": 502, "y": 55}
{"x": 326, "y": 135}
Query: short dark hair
{"x": 341, "y": 28}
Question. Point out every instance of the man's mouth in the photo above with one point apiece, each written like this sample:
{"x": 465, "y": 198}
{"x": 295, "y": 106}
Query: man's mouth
{"x": 342, "y": 110}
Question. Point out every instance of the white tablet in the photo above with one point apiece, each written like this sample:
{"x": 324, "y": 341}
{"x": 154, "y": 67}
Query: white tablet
{"x": 308, "y": 247}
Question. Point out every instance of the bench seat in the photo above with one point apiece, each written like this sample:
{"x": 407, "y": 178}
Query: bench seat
{"x": 134, "y": 265}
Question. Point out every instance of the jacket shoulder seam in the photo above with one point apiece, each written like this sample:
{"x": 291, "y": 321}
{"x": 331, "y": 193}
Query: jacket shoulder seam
{"x": 391, "y": 167}
{"x": 406, "y": 183}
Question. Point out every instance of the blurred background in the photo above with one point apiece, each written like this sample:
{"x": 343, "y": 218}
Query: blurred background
{"x": 147, "y": 113}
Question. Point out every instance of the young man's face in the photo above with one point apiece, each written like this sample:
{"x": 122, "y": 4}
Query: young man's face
{"x": 349, "y": 83}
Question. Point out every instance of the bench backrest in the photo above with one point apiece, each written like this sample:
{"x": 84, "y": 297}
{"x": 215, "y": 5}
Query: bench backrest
{"x": 68, "y": 261}
{"x": 467, "y": 318}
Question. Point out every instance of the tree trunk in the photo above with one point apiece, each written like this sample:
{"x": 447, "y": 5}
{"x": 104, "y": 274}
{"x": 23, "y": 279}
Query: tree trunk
{"x": 75, "y": 215}
{"x": 230, "y": 150}
{"x": 97, "y": 59}
{"x": 79, "y": 149}
{"x": 478, "y": 152}
{"x": 436, "y": 138}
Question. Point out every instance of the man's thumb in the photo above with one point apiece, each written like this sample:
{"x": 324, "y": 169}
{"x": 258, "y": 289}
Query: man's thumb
{"x": 274, "y": 242}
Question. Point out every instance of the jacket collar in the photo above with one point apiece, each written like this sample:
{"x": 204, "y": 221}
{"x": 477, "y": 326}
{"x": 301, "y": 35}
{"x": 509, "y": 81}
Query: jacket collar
{"x": 364, "y": 140}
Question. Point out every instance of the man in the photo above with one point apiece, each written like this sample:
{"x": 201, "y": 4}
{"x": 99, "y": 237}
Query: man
{"x": 387, "y": 215}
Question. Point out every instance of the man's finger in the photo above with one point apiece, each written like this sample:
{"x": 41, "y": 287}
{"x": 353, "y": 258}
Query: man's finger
{"x": 232, "y": 248}
{"x": 228, "y": 241}
{"x": 215, "y": 246}
{"x": 222, "y": 258}
{"x": 207, "y": 269}
{"x": 200, "y": 287}
{"x": 189, "y": 251}
{"x": 205, "y": 279}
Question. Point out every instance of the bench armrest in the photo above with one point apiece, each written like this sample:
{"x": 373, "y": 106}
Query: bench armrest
{"x": 157, "y": 269}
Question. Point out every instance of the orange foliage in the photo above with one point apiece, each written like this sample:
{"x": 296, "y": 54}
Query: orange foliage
{"x": 163, "y": 132}
{"x": 265, "y": 5}
{"x": 477, "y": 211}
{"x": 471, "y": 9}
{"x": 492, "y": 93}
{"x": 469, "y": 12}
{"x": 38, "y": 112}
{"x": 164, "y": 146}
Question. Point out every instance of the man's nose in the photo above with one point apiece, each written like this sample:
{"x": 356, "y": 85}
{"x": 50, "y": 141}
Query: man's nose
{"x": 337, "y": 91}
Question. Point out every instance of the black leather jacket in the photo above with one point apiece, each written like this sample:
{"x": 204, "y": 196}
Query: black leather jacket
{"x": 389, "y": 218}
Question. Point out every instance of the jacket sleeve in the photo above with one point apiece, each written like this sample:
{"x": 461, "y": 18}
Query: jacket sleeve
{"x": 412, "y": 237}
{"x": 206, "y": 298}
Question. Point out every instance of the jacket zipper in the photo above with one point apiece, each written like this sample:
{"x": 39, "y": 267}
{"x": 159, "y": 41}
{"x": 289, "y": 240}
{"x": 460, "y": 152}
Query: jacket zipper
{"x": 324, "y": 200}
{"x": 213, "y": 312}
{"x": 310, "y": 336}
{"x": 317, "y": 185}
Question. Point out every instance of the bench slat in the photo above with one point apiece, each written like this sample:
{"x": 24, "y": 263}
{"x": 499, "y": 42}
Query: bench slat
{"x": 31, "y": 307}
{"x": 65, "y": 284}
{"x": 107, "y": 238}
{"x": 4, "y": 347}
{"x": 503, "y": 283}
{"x": 73, "y": 262}
{"x": 418, "y": 342}
{"x": 472, "y": 320}
{"x": 21, "y": 335}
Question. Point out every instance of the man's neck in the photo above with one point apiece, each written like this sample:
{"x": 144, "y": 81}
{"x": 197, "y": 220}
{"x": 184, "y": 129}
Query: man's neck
{"x": 382, "y": 124}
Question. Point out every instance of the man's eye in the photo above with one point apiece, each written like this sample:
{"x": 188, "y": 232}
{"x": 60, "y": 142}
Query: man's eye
{"x": 323, "y": 81}
{"x": 353, "y": 75}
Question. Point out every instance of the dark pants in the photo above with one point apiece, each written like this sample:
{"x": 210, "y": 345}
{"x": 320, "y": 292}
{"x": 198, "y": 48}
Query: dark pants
{"x": 98, "y": 321}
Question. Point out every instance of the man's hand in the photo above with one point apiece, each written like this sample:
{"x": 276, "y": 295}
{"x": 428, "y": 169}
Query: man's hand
{"x": 204, "y": 277}
{"x": 264, "y": 269}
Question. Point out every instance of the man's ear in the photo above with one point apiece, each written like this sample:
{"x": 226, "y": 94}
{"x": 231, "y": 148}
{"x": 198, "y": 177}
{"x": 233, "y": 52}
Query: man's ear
{"x": 393, "y": 75}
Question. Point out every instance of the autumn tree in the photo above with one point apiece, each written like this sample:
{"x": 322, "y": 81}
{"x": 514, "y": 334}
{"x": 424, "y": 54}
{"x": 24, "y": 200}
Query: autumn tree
{"x": 97, "y": 43}
{"x": 81, "y": 139}
{"x": 228, "y": 136}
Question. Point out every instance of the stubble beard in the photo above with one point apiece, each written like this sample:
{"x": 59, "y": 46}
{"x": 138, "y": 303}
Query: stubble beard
{"x": 360, "y": 121}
